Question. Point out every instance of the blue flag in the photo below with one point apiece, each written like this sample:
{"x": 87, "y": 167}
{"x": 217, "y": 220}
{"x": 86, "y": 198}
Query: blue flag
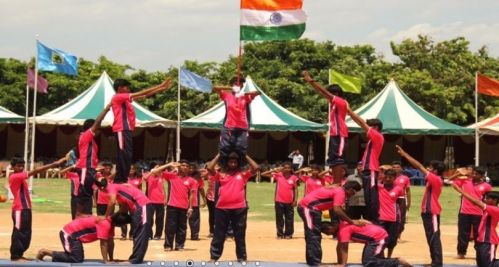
{"x": 193, "y": 81}
{"x": 56, "y": 60}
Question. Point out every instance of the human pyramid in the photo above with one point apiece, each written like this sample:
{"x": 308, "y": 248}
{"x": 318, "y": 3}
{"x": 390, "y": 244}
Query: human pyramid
{"x": 378, "y": 224}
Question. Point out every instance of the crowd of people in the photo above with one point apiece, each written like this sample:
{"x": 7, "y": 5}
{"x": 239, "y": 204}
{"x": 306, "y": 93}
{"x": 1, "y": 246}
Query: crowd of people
{"x": 367, "y": 207}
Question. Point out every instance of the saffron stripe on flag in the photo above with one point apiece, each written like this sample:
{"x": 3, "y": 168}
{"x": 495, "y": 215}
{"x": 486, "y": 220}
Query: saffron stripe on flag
{"x": 288, "y": 32}
{"x": 271, "y": 5}
{"x": 272, "y": 18}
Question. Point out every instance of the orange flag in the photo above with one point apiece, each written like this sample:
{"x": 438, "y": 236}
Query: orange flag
{"x": 487, "y": 86}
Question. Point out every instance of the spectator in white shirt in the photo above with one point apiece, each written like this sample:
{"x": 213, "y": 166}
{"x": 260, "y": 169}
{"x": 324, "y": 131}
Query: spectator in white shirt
{"x": 297, "y": 159}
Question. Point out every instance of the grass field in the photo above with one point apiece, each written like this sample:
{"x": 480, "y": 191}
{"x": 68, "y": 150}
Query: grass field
{"x": 52, "y": 196}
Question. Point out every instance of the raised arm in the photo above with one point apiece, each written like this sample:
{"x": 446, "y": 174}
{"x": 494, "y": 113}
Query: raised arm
{"x": 99, "y": 118}
{"x": 416, "y": 164}
{"x": 253, "y": 165}
{"x": 321, "y": 90}
{"x": 159, "y": 169}
{"x": 271, "y": 171}
{"x": 473, "y": 200}
{"x": 152, "y": 90}
{"x": 253, "y": 94}
{"x": 211, "y": 165}
{"x": 355, "y": 117}
{"x": 46, "y": 167}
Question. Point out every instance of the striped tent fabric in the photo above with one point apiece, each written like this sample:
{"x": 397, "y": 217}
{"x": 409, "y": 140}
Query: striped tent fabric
{"x": 400, "y": 115}
{"x": 7, "y": 116}
{"x": 488, "y": 126}
{"x": 265, "y": 115}
{"x": 91, "y": 102}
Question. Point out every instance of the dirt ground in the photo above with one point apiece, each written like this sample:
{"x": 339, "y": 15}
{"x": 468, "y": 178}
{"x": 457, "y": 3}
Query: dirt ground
{"x": 261, "y": 243}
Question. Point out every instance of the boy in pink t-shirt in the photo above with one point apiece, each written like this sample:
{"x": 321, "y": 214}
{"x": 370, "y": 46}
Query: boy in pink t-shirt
{"x": 430, "y": 206}
{"x": 124, "y": 122}
{"x": 231, "y": 206}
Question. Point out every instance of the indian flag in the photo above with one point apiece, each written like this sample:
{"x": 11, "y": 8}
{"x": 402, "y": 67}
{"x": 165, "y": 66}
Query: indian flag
{"x": 272, "y": 20}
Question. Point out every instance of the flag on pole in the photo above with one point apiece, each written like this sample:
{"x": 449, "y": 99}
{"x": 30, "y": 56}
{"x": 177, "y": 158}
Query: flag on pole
{"x": 194, "y": 81}
{"x": 487, "y": 86}
{"x": 272, "y": 20}
{"x": 42, "y": 83}
{"x": 56, "y": 60}
{"x": 349, "y": 84}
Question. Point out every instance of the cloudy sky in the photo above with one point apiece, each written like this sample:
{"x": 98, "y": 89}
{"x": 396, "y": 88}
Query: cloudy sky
{"x": 156, "y": 34}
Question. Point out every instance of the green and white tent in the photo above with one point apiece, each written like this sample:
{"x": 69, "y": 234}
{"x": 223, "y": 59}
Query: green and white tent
{"x": 7, "y": 116}
{"x": 265, "y": 115}
{"x": 400, "y": 115}
{"x": 91, "y": 102}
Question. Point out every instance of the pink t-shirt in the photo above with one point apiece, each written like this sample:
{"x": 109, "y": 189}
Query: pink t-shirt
{"x": 388, "y": 209}
{"x": 179, "y": 189}
{"x": 324, "y": 198}
{"x": 210, "y": 191}
{"x": 311, "y": 184}
{"x": 477, "y": 190}
{"x": 156, "y": 189}
{"x": 337, "y": 117}
{"x": 128, "y": 195}
{"x": 361, "y": 234}
{"x": 432, "y": 192}
{"x": 404, "y": 182}
{"x": 196, "y": 197}
{"x": 123, "y": 111}
{"x": 487, "y": 229}
{"x": 20, "y": 191}
{"x": 87, "y": 229}
{"x": 285, "y": 188}
{"x": 232, "y": 190}
{"x": 88, "y": 150}
{"x": 237, "y": 110}
{"x": 75, "y": 182}
{"x": 136, "y": 182}
{"x": 370, "y": 160}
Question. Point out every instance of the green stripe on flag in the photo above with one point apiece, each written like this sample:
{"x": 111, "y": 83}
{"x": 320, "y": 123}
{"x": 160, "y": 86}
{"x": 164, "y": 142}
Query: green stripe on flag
{"x": 349, "y": 84}
{"x": 260, "y": 33}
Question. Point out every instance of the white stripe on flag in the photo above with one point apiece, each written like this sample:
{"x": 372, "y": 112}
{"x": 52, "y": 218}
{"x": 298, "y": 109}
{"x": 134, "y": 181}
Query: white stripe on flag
{"x": 272, "y": 18}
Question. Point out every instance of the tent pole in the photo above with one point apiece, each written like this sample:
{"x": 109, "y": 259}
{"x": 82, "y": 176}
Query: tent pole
{"x": 178, "y": 118}
{"x": 33, "y": 131}
{"x": 327, "y": 134}
{"x": 477, "y": 137}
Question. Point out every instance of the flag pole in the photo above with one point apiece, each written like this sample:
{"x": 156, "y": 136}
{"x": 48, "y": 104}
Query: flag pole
{"x": 477, "y": 137}
{"x": 178, "y": 117}
{"x": 26, "y": 129}
{"x": 33, "y": 131}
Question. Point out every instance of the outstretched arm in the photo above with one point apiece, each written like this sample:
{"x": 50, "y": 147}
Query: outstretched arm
{"x": 355, "y": 117}
{"x": 152, "y": 90}
{"x": 321, "y": 90}
{"x": 473, "y": 200}
{"x": 46, "y": 167}
{"x": 159, "y": 169}
{"x": 416, "y": 164}
{"x": 99, "y": 118}
{"x": 253, "y": 165}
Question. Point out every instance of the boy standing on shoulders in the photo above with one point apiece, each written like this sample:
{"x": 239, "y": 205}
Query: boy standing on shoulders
{"x": 124, "y": 122}
{"x": 370, "y": 161}
{"x": 234, "y": 133}
{"x": 21, "y": 206}
{"x": 338, "y": 129}
{"x": 430, "y": 207}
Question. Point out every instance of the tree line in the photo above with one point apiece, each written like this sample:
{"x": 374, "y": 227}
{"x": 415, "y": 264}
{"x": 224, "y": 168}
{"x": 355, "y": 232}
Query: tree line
{"x": 439, "y": 76}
